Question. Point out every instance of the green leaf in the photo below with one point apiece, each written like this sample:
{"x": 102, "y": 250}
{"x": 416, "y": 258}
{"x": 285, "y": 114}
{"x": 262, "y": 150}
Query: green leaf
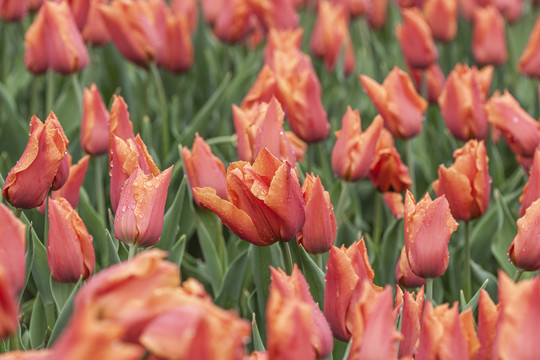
{"x": 172, "y": 218}
{"x": 473, "y": 303}
{"x": 314, "y": 276}
{"x": 506, "y": 231}
{"x": 61, "y": 293}
{"x": 177, "y": 251}
{"x": 65, "y": 314}
{"x": 38, "y": 324}
{"x": 231, "y": 288}
{"x": 41, "y": 272}
{"x": 257, "y": 340}
{"x": 392, "y": 242}
{"x": 112, "y": 245}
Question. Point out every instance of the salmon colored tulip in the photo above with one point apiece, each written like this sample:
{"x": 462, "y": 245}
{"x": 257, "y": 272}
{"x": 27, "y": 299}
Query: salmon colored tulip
{"x": 320, "y": 229}
{"x": 466, "y": 184}
{"x": 525, "y": 248}
{"x": 416, "y": 40}
{"x": 462, "y": 101}
{"x": 387, "y": 171}
{"x": 203, "y": 168}
{"x": 13, "y": 10}
{"x": 232, "y": 20}
{"x": 62, "y": 174}
{"x": 12, "y": 249}
{"x": 435, "y": 81}
{"x": 355, "y": 7}
{"x": 119, "y": 123}
{"x": 347, "y": 270}
{"x": 189, "y": 8}
{"x": 510, "y": 9}
{"x": 531, "y": 190}
{"x": 377, "y": 13}
{"x": 489, "y": 37}
{"x": 394, "y": 202}
{"x": 487, "y": 323}
{"x": 141, "y": 208}
{"x": 54, "y": 42}
{"x": 469, "y": 331}
{"x": 296, "y": 327}
{"x": 79, "y": 9}
{"x": 95, "y": 123}
{"x": 95, "y": 32}
{"x": 265, "y": 202}
{"x": 396, "y": 100}
{"x": 9, "y": 311}
{"x": 404, "y": 275}
{"x": 331, "y": 38}
{"x": 442, "y": 18}
{"x": 519, "y": 129}
{"x": 29, "y": 181}
{"x": 70, "y": 252}
{"x": 409, "y": 3}
{"x": 354, "y": 150}
{"x": 411, "y": 321}
{"x": 529, "y": 62}
{"x": 34, "y": 5}
{"x": 428, "y": 226}
{"x": 275, "y": 14}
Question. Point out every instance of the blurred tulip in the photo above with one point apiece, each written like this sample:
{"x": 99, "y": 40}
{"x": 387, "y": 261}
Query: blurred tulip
{"x": 320, "y": 229}
{"x": 466, "y": 184}
{"x": 469, "y": 331}
{"x": 519, "y": 129}
{"x": 529, "y": 62}
{"x": 416, "y": 40}
{"x": 9, "y": 311}
{"x": 462, "y": 101}
{"x": 141, "y": 208}
{"x": 487, "y": 322}
{"x": 232, "y": 20}
{"x": 510, "y": 9}
{"x": 442, "y": 18}
{"x": 531, "y": 190}
{"x": 409, "y": 3}
{"x": 54, "y": 42}
{"x": 275, "y": 14}
{"x": 95, "y": 32}
{"x": 394, "y": 201}
{"x": 79, "y": 9}
{"x": 203, "y": 168}
{"x": 296, "y": 327}
{"x": 347, "y": 270}
{"x": 34, "y": 5}
{"x": 13, "y": 10}
{"x": 397, "y": 102}
{"x": 354, "y": 7}
{"x": 428, "y": 226}
{"x": 524, "y": 250}
{"x": 70, "y": 252}
{"x": 489, "y": 37}
{"x": 95, "y": 123}
{"x": 331, "y": 38}
{"x": 411, "y": 321}
{"x": 189, "y": 8}
{"x": 404, "y": 275}
{"x": 257, "y": 355}
{"x": 435, "y": 81}
{"x": 29, "y": 181}
{"x": 12, "y": 249}
{"x": 265, "y": 202}
{"x": 354, "y": 150}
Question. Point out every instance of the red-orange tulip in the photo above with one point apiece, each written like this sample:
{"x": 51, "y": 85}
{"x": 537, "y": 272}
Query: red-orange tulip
{"x": 404, "y": 275}
{"x": 428, "y": 226}
{"x": 529, "y": 62}
{"x": 531, "y": 190}
{"x": 9, "y": 312}
{"x": 29, "y": 181}
{"x": 442, "y": 18}
{"x": 95, "y": 123}
{"x": 12, "y": 249}
{"x": 510, "y": 9}
{"x": 416, "y": 40}
{"x": 435, "y": 81}
{"x": 62, "y": 174}
{"x": 232, "y": 20}
{"x": 79, "y": 9}
{"x": 95, "y": 32}
{"x": 525, "y": 248}
{"x": 466, "y": 184}
{"x": 394, "y": 201}
{"x": 355, "y": 7}
{"x": 487, "y": 323}
{"x": 275, "y": 14}
{"x": 377, "y": 13}
{"x": 13, "y": 10}
{"x": 70, "y": 252}
{"x": 189, "y": 8}
{"x": 398, "y": 103}
{"x": 265, "y": 202}
{"x": 119, "y": 122}
{"x": 411, "y": 321}
{"x": 489, "y": 36}
{"x": 354, "y": 150}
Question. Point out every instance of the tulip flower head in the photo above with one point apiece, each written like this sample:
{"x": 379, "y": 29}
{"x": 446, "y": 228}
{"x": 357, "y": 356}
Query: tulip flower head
{"x": 13, "y": 10}
{"x": 404, "y": 275}
{"x": 525, "y": 248}
{"x": 95, "y": 32}
{"x": 12, "y": 249}
{"x": 487, "y": 324}
{"x": 416, "y": 40}
{"x": 435, "y": 81}
{"x": 529, "y": 62}
{"x": 95, "y": 123}
{"x": 531, "y": 190}
{"x": 442, "y": 18}
{"x": 489, "y": 37}
{"x": 411, "y": 322}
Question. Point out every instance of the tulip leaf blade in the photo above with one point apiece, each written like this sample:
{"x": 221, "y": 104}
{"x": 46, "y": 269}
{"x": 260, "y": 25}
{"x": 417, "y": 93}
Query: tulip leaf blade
{"x": 229, "y": 294}
{"x": 473, "y": 303}
{"x": 38, "y": 323}
{"x": 506, "y": 231}
{"x": 177, "y": 251}
{"x": 258, "y": 344}
{"x": 172, "y": 218}
{"x": 65, "y": 314}
{"x": 112, "y": 245}
{"x": 61, "y": 293}
{"x": 41, "y": 272}
{"x": 96, "y": 227}
{"x": 314, "y": 276}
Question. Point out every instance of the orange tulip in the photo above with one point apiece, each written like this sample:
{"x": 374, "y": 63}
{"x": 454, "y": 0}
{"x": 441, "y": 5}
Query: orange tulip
{"x": 95, "y": 32}
{"x": 354, "y": 150}
{"x": 398, "y": 103}
{"x": 70, "y": 253}
{"x": 519, "y": 129}
{"x": 529, "y": 62}
{"x": 95, "y": 123}
{"x": 232, "y": 20}
{"x": 489, "y": 36}
{"x": 62, "y": 174}
{"x": 119, "y": 122}
{"x": 416, "y": 40}
{"x": 410, "y": 3}
{"x": 524, "y": 250}
{"x": 141, "y": 208}
{"x": 462, "y": 101}
{"x": 466, "y": 184}
{"x": 442, "y": 18}
{"x": 54, "y": 42}
{"x": 13, "y": 10}
{"x": 531, "y": 190}
{"x": 487, "y": 323}
{"x": 320, "y": 229}
{"x": 296, "y": 326}
{"x": 275, "y": 14}
{"x": 29, "y": 181}
{"x": 203, "y": 168}
{"x": 404, "y": 275}
{"x": 12, "y": 253}
{"x": 428, "y": 253}
{"x": 189, "y": 8}
{"x": 435, "y": 81}
{"x": 265, "y": 202}
{"x": 411, "y": 321}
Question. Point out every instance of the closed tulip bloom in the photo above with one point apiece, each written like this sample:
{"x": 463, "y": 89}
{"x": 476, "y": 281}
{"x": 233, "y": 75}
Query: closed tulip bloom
{"x": 377, "y": 13}
{"x": 203, "y": 168}
{"x": 9, "y": 311}
{"x": 411, "y": 323}
{"x": 466, "y": 184}
{"x": 435, "y": 81}
{"x": 141, "y": 208}
{"x": 29, "y": 181}
{"x": 95, "y": 32}
{"x": 404, "y": 275}
{"x": 265, "y": 202}
{"x": 54, "y": 42}
{"x": 416, "y": 40}
{"x": 232, "y": 20}
{"x": 489, "y": 37}
{"x": 95, "y": 123}
{"x": 276, "y": 14}
{"x": 189, "y": 8}
{"x": 354, "y": 150}
{"x": 428, "y": 226}
{"x": 320, "y": 229}
{"x": 12, "y": 248}
{"x": 525, "y": 248}
{"x": 62, "y": 174}
{"x": 510, "y": 9}
{"x": 487, "y": 324}
{"x": 397, "y": 101}
{"x": 296, "y": 326}
{"x": 531, "y": 190}
{"x": 79, "y": 9}
{"x": 13, "y": 10}
{"x": 70, "y": 252}
{"x": 529, "y": 62}
{"x": 462, "y": 101}
{"x": 519, "y": 129}
{"x": 442, "y": 16}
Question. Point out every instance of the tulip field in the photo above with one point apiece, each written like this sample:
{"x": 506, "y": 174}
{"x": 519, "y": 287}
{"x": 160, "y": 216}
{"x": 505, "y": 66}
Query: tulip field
{"x": 269, "y": 179}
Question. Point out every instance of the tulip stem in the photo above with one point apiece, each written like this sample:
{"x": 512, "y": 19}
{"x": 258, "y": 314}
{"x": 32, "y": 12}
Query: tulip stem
{"x": 49, "y": 96}
{"x": 78, "y": 92}
{"x": 429, "y": 290}
{"x": 378, "y": 217}
{"x": 132, "y": 251}
{"x": 341, "y": 202}
{"x": 163, "y": 108}
{"x": 319, "y": 259}
{"x": 46, "y": 223}
{"x": 518, "y": 275}
{"x": 467, "y": 262}
{"x": 410, "y": 163}
{"x": 98, "y": 183}
{"x": 222, "y": 139}
{"x": 287, "y": 258}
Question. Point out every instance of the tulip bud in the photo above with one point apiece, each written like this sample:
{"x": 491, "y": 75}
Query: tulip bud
{"x": 188, "y": 8}
{"x": 354, "y": 150}
{"x": 232, "y": 20}
{"x": 141, "y": 208}
{"x": 524, "y": 250}
{"x": 29, "y": 181}
{"x": 12, "y": 249}
{"x": 404, "y": 275}
{"x": 415, "y": 39}
{"x": 62, "y": 174}
{"x": 203, "y": 168}
{"x": 442, "y": 18}
{"x": 70, "y": 253}
{"x": 411, "y": 320}
{"x": 275, "y": 14}
{"x": 9, "y": 312}
{"x": 377, "y": 13}
{"x": 489, "y": 37}
{"x": 531, "y": 190}
{"x": 510, "y": 9}
{"x": 435, "y": 80}
{"x": 428, "y": 226}
{"x": 320, "y": 229}
{"x": 95, "y": 123}
{"x": 530, "y": 57}
{"x": 13, "y": 10}
{"x": 95, "y": 32}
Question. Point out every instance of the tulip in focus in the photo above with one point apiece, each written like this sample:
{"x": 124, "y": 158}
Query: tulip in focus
{"x": 141, "y": 208}
{"x": 489, "y": 37}
{"x": 466, "y": 184}
{"x": 404, "y": 275}
{"x": 416, "y": 40}
{"x": 95, "y": 123}
{"x": 435, "y": 81}
{"x": 354, "y": 150}
{"x": 428, "y": 226}
{"x": 398, "y": 103}
{"x": 29, "y": 181}
{"x": 529, "y": 62}
{"x": 531, "y": 190}
{"x": 442, "y": 18}
{"x": 70, "y": 252}
{"x": 62, "y": 174}
{"x": 524, "y": 251}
